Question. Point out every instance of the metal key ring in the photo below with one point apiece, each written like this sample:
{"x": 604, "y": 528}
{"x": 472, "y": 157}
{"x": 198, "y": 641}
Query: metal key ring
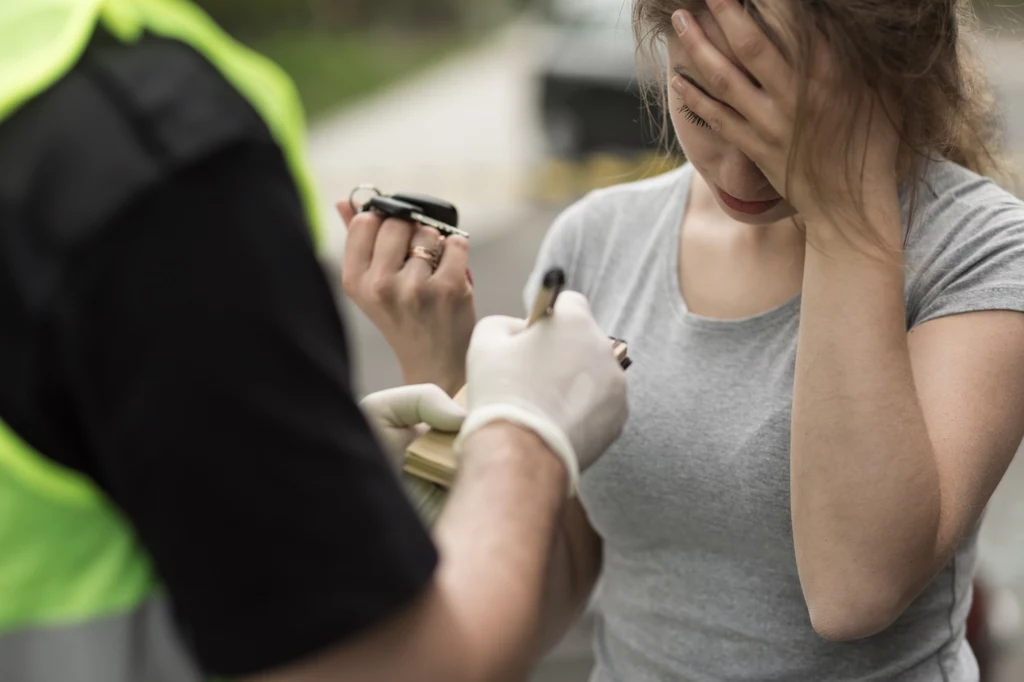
{"x": 361, "y": 188}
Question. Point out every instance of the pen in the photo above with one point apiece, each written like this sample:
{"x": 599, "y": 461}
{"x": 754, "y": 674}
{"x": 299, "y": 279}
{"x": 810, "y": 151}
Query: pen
{"x": 550, "y": 287}
{"x": 544, "y": 304}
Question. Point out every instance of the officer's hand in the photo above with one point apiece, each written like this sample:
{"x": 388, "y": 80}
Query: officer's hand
{"x": 425, "y": 314}
{"x": 558, "y": 378}
{"x": 399, "y": 415}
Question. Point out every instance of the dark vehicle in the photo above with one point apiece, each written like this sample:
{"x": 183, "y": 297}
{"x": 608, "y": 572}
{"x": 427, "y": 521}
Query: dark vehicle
{"x": 589, "y": 94}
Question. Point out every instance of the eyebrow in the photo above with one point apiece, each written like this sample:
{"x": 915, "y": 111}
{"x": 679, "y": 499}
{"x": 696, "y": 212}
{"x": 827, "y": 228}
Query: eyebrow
{"x": 685, "y": 75}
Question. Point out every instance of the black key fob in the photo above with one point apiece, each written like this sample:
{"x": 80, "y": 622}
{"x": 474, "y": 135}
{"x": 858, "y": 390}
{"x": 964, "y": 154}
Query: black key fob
{"x": 432, "y": 207}
{"x": 391, "y": 207}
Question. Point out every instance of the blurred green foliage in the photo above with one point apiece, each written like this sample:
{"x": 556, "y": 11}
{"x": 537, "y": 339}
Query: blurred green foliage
{"x": 339, "y": 50}
{"x": 331, "y": 69}
{"x": 254, "y": 16}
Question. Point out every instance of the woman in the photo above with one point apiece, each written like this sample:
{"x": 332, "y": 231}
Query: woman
{"x": 825, "y": 308}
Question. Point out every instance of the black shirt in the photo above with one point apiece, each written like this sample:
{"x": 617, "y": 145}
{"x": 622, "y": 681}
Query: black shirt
{"x": 166, "y": 329}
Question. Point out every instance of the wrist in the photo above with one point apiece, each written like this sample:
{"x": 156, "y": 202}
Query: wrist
{"x": 872, "y": 228}
{"x": 450, "y": 381}
{"x": 500, "y": 442}
{"x": 528, "y": 417}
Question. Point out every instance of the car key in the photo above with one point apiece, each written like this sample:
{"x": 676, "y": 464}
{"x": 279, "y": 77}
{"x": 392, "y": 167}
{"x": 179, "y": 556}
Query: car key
{"x": 418, "y": 208}
{"x": 432, "y": 207}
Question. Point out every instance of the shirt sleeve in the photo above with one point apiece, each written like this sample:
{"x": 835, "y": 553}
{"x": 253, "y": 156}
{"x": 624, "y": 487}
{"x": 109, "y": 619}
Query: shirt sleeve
{"x": 209, "y": 366}
{"x": 966, "y": 248}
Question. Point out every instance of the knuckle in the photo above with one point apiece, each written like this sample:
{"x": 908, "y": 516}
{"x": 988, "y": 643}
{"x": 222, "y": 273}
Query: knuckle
{"x": 457, "y": 243}
{"x": 381, "y": 288}
{"x": 750, "y": 47}
{"x": 428, "y": 233}
{"x": 426, "y": 236}
{"x": 446, "y": 291}
{"x": 577, "y": 317}
{"x": 719, "y": 82}
{"x": 410, "y": 295}
{"x": 768, "y": 133}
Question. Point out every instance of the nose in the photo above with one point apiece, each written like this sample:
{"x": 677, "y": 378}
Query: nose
{"x": 741, "y": 177}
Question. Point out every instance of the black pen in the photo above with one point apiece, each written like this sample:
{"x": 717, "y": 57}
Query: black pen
{"x": 550, "y": 287}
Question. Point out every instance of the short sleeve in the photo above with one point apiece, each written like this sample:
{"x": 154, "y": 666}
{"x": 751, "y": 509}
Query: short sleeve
{"x": 965, "y": 250}
{"x": 209, "y": 372}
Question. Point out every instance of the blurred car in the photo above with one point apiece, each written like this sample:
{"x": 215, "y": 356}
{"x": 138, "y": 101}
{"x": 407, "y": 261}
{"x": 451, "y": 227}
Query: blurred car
{"x": 589, "y": 95}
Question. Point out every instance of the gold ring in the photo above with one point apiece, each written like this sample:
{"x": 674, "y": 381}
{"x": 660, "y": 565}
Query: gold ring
{"x": 429, "y": 255}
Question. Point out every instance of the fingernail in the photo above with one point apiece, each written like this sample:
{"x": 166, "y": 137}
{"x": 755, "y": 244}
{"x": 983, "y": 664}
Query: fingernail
{"x": 678, "y": 85}
{"x": 679, "y": 21}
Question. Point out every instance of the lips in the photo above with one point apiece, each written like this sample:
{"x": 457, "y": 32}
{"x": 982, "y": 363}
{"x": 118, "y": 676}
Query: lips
{"x": 748, "y": 207}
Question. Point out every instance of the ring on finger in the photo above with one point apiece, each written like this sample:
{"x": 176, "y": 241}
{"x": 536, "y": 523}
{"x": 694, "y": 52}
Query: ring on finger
{"x": 432, "y": 256}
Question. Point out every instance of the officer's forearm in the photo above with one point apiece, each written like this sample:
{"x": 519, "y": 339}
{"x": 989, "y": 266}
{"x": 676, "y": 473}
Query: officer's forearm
{"x": 482, "y": 618}
{"x": 496, "y": 537}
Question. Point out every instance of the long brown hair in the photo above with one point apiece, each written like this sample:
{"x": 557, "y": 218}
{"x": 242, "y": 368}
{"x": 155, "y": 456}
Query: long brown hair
{"x": 915, "y": 52}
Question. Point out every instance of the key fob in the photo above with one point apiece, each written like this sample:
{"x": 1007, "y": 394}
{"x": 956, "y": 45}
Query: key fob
{"x": 432, "y": 207}
{"x": 391, "y": 207}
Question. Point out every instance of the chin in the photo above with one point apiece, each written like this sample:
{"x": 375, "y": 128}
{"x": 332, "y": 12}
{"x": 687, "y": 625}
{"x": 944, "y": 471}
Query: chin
{"x": 773, "y": 215}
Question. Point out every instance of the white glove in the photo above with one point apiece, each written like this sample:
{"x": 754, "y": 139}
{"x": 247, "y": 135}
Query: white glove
{"x": 399, "y": 415}
{"x": 557, "y": 378}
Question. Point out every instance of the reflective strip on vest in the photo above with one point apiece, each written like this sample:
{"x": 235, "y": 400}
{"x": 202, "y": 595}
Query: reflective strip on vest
{"x": 139, "y": 646}
{"x": 78, "y": 597}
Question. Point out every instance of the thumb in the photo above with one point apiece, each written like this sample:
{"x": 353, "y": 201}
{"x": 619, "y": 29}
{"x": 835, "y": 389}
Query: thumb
{"x": 439, "y": 410}
{"x": 421, "y": 403}
{"x": 346, "y": 211}
{"x": 498, "y": 325}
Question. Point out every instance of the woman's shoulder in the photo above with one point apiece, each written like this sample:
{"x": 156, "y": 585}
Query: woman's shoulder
{"x": 630, "y": 208}
{"x": 606, "y": 233}
{"x": 640, "y": 195}
{"x": 949, "y": 182}
{"x": 953, "y": 203}
{"x": 965, "y": 246}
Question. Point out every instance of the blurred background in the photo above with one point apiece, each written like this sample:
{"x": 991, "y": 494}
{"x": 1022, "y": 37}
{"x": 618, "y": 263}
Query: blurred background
{"x": 512, "y": 109}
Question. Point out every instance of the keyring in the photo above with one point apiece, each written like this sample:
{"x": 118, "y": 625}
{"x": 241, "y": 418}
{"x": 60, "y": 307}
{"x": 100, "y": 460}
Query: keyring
{"x": 361, "y": 188}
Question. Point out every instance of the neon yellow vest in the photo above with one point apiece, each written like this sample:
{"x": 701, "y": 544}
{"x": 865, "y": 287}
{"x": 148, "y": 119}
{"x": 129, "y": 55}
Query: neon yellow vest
{"x": 67, "y": 556}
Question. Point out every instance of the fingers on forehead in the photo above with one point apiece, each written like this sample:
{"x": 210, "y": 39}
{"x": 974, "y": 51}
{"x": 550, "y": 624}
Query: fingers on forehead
{"x": 774, "y": 19}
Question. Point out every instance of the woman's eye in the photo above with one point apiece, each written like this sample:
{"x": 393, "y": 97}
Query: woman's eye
{"x": 693, "y": 118}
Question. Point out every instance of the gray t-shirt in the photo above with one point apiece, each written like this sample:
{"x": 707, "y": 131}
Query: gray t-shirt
{"x": 700, "y": 579}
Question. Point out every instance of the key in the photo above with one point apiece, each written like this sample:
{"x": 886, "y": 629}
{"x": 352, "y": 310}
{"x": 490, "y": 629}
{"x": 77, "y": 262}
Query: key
{"x": 432, "y": 207}
{"x": 418, "y": 208}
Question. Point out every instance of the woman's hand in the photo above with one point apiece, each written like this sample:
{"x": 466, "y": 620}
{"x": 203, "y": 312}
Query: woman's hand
{"x": 845, "y": 155}
{"x": 426, "y": 315}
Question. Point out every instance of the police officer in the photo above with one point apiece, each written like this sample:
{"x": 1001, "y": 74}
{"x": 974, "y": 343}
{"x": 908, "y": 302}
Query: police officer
{"x": 187, "y": 488}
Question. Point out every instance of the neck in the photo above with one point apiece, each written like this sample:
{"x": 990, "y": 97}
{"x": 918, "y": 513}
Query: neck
{"x": 781, "y": 236}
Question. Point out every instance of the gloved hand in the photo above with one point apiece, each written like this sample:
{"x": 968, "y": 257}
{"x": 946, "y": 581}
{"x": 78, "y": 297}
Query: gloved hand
{"x": 557, "y": 378}
{"x": 399, "y": 415}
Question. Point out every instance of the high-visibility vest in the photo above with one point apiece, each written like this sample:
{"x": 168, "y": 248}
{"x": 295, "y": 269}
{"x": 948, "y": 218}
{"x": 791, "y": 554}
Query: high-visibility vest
{"x": 79, "y": 599}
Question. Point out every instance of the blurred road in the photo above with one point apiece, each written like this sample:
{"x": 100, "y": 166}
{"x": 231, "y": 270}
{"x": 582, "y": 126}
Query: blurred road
{"x": 465, "y": 131}
{"x": 468, "y": 131}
